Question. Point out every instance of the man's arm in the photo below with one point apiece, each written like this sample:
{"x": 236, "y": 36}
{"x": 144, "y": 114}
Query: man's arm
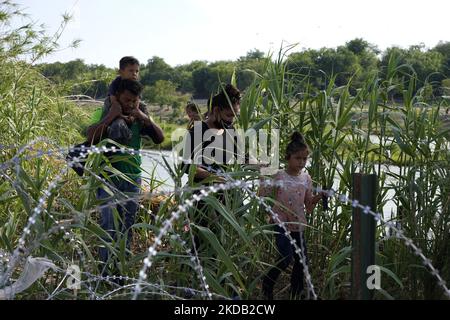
{"x": 150, "y": 127}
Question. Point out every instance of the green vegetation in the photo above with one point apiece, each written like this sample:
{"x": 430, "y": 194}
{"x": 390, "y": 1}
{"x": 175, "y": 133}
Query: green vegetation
{"x": 411, "y": 134}
{"x": 357, "y": 61}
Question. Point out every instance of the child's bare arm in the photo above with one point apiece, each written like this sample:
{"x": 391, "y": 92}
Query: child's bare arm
{"x": 310, "y": 199}
{"x": 114, "y": 102}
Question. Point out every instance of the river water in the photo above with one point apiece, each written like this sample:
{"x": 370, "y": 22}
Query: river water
{"x": 154, "y": 164}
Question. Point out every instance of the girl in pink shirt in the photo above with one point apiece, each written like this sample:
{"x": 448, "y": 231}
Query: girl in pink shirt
{"x": 292, "y": 199}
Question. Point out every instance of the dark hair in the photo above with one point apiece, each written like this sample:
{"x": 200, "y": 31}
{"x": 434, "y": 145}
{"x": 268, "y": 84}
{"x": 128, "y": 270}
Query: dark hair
{"x": 135, "y": 87}
{"x": 296, "y": 144}
{"x": 193, "y": 107}
{"x": 221, "y": 99}
{"x": 126, "y": 61}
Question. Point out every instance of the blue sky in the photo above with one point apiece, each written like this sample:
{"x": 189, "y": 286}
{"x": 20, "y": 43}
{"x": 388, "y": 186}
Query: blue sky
{"x": 181, "y": 31}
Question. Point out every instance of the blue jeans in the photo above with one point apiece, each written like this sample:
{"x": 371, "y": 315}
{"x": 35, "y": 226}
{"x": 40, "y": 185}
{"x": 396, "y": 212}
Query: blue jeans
{"x": 287, "y": 252}
{"x": 127, "y": 212}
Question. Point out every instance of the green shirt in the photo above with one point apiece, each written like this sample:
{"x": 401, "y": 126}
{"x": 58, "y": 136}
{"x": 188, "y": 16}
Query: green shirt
{"x": 131, "y": 163}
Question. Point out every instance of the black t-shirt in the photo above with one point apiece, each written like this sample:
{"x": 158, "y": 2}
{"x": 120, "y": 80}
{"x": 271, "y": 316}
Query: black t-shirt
{"x": 114, "y": 86}
{"x": 210, "y": 150}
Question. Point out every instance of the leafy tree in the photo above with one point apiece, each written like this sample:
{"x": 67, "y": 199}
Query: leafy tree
{"x": 302, "y": 68}
{"x": 77, "y": 78}
{"x": 164, "y": 93}
{"x": 254, "y": 54}
{"x": 424, "y": 65}
{"x": 248, "y": 66}
{"x": 357, "y": 59}
{"x": 367, "y": 55}
{"x": 160, "y": 93}
{"x": 183, "y": 75}
{"x": 156, "y": 69}
{"x": 358, "y": 46}
{"x": 444, "y": 49}
{"x": 207, "y": 80}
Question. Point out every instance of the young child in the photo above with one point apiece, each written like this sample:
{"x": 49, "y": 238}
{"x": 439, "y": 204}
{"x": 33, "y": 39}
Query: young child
{"x": 128, "y": 69}
{"x": 193, "y": 113}
{"x": 119, "y": 130}
{"x": 291, "y": 201}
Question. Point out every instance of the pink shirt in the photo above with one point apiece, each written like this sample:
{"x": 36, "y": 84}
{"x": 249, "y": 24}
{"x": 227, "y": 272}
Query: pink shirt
{"x": 290, "y": 205}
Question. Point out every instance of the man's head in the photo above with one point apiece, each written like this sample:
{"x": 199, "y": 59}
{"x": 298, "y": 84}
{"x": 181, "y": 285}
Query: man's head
{"x": 129, "y": 68}
{"x": 128, "y": 94}
{"x": 225, "y": 106}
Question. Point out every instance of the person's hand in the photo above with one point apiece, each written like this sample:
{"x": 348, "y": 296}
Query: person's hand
{"x": 316, "y": 198}
{"x": 323, "y": 195}
{"x": 137, "y": 114}
{"x": 128, "y": 119}
{"x": 219, "y": 179}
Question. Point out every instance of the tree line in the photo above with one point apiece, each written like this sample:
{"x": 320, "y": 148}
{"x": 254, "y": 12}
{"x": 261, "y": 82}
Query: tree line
{"x": 353, "y": 62}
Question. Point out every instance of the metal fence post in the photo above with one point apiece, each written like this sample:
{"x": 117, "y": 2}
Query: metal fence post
{"x": 363, "y": 234}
